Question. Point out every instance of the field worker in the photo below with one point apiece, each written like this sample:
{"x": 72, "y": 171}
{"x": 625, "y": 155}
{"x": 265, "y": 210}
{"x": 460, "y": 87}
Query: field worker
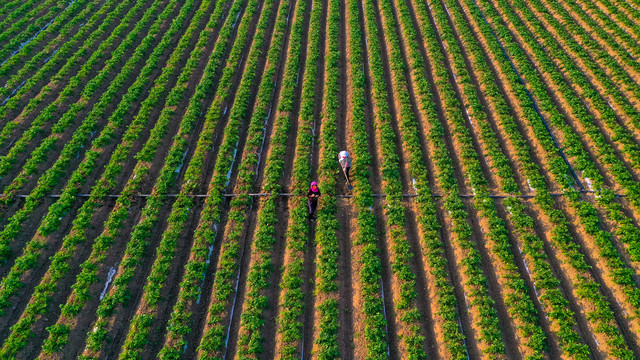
{"x": 345, "y": 162}
{"x": 312, "y": 198}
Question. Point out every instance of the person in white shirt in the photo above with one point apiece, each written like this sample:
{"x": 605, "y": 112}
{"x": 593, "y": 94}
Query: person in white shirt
{"x": 345, "y": 162}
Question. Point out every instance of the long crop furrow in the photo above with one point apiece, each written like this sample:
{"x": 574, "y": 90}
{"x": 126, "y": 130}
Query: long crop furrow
{"x": 31, "y": 63}
{"x": 139, "y": 240}
{"x": 365, "y": 253}
{"x": 530, "y": 244}
{"x": 205, "y": 233}
{"x": 327, "y": 308}
{"x": 38, "y": 305}
{"x": 588, "y": 91}
{"x": 51, "y": 112}
{"x": 58, "y": 334}
{"x": 293, "y": 301}
{"x": 94, "y": 112}
{"x": 609, "y": 259}
{"x": 584, "y": 285}
{"x": 147, "y": 311}
{"x": 81, "y": 136}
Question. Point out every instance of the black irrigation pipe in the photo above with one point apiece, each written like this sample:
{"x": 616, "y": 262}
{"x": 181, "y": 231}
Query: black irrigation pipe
{"x": 497, "y": 196}
{"x": 535, "y": 105}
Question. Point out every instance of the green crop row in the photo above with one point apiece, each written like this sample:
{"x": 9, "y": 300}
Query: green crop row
{"x": 62, "y": 26}
{"x": 518, "y": 302}
{"x": 561, "y": 235}
{"x": 604, "y": 150}
{"x": 58, "y": 334}
{"x": 38, "y": 305}
{"x": 33, "y": 63}
{"x": 401, "y": 255}
{"x": 136, "y": 247}
{"x": 432, "y": 244}
{"x": 140, "y": 326}
{"x": 292, "y": 299}
{"x": 366, "y": 239}
{"x": 81, "y": 136}
{"x": 326, "y": 240}
{"x": 533, "y": 247}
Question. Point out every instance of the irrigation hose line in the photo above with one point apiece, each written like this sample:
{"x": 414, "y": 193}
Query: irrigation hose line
{"x": 498, "y": 196}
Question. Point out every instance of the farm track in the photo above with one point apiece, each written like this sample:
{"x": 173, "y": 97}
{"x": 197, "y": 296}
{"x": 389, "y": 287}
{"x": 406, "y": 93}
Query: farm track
{"x": 448, "y": 101}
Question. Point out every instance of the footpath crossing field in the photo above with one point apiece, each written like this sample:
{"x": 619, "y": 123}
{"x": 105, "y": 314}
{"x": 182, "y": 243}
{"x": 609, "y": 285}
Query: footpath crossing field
{"x": 155, "y": 158}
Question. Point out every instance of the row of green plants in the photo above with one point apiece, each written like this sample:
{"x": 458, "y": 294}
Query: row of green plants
{"x": 401, "y": 255}
{"x": 532, "y": 247}
{"x": 626, "y": 231}
{"x": 518, "y": 302}
{"x": 51, "y": 113}
{"x": 293, "y": 302}
{"x": 137, "y": 245}
{"x": 64, "y": 55}
{"x": 615, "y": 80}
{"x": 39, "y": 303}
{"x": 70, "y": 150}
{"x": 433, "y": 247}
{"x": 365, "y": 243}
{"x": 30, "y": 63}
{"x": 474, "y": 281}
{"x": 256, "y": 301}
{"x": 58, "y": 333}
{"x": 584, "y": 285}
{"x": 24, "y": 28}
{"x": 92, "y": 88}
{"x": 191, "y": 287}
{"x": 326, "y": 240}
{"x": 140, "y": 326}
{"x": 621, "y": 273}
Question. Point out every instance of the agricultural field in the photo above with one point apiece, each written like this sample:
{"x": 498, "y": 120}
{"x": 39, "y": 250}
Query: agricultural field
{"x": 155, "y": 157}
